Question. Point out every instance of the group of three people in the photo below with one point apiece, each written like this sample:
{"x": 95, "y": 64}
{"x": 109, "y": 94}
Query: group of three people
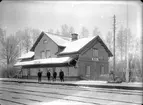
{"x": 61, "y": 75}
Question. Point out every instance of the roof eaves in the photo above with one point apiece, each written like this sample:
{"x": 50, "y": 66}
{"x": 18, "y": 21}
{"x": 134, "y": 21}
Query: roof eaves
{"x": 61, "y": 54}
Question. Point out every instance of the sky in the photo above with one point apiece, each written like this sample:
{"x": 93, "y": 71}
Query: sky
{"x": 46, "y": 15}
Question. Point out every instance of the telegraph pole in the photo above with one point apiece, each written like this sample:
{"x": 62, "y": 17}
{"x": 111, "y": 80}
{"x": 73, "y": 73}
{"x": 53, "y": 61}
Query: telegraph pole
{"x": 127, "y": 60}
{"x": 114, "y": 31}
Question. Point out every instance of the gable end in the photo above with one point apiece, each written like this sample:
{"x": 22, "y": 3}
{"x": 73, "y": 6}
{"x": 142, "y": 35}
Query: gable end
{"x": 37, "y": 41}
{"x": 92, "y": 43}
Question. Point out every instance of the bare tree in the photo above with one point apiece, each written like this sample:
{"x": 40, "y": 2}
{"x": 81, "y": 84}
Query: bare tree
{"x": 71, "y": 30}
{"x": 121, "y": 42}
{"x": 2, "y": 33}
{"x": 84, "y": 32}
{"x": 9, "y": 50}
{"x": 50, "y": 30}
{"x": 35, "y": 34}
{"x": 109, "y": 40}
{"x": 24, "y": 36}
{"x": 27, "y": 40}
{"x": 58, "y": 32}
{"x": 66, "y": 30}
{"x": 2, "y": 37}
{"x": 27, "y": 37}
{"x": 96, "y": 32}
{"x": 128, "y": 42}
{"x": 19, "y": 35}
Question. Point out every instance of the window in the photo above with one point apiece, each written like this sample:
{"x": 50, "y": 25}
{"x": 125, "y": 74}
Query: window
{"x": 102, "y": 70}
{"x": 95, "y": 52}
{"x": 28, "y": 72}
{"x": 101, "y": 57}
{"x": 88, "y": 71}
{"x": 42, "y": 54}
{"x": 45, "y": 41}
{"x": 48, "y": 54}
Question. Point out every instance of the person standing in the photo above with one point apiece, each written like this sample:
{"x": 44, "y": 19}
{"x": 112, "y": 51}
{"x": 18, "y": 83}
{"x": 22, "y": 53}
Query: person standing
{"x": 54, "y": 76}
{"x": 48, "y": 75}
{"x": 61, "y": 75}
{"x": 39, "y": 76}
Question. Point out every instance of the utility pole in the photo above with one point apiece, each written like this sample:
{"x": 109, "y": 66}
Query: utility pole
{"x": 114, "y": 31}
{"x": 127, "y": 60}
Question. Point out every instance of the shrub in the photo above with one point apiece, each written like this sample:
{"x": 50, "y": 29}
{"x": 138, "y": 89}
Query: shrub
{"x": 8, "y": 72}
{"x": 113, "y": 78}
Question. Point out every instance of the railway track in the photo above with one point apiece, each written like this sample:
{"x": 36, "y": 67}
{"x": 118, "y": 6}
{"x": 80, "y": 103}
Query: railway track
{"x": 53, "y": 92}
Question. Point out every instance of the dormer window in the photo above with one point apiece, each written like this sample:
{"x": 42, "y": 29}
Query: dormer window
{"x": 45, "y": 41}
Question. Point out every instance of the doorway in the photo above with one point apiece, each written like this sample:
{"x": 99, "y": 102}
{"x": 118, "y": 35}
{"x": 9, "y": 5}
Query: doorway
{"x": 87, "y": 73}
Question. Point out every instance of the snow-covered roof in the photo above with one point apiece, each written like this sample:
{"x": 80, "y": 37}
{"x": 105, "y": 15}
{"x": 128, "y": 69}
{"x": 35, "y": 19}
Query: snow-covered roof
{"x": 27, "y": 55}
{"x": 70, "y": 46}
{"x": 45, "y": 61}
{"x": 57, "y": 39}
{"x": 75, "y": 46}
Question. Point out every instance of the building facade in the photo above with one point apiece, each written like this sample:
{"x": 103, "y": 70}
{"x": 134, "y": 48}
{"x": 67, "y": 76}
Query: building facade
{"x": 85, "y": 58}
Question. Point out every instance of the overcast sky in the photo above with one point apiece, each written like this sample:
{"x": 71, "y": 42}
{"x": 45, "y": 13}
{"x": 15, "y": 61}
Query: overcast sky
{"x": 46, "y": 15}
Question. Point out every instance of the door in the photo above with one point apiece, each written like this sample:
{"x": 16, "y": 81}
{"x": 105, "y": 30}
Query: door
{"x": 102, "y": 70}
{"x": 88, "y": 70}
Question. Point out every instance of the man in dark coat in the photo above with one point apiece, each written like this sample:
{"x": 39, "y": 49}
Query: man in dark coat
{"x": 39, "y": 76}
{"x": 48, "y": 75}
{"x": 54, "y": 76}
{"x": 61, "y": 75}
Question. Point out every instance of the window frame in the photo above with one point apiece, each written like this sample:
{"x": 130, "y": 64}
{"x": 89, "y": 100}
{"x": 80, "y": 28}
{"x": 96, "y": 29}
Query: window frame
{"x": 46, "y": 53}
{"x": 41, "y": 53}
{"x": 45, "y": 41}
{"x": 88, "y": 71}
{"x": 95, "y": 54}
{"x": 102, "y": 71}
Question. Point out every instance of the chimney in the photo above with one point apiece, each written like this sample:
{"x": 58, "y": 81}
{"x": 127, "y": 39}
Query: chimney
{"x": 74, "y": 36}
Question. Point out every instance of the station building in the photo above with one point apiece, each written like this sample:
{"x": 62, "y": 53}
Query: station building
{"x": 85, "y": 58}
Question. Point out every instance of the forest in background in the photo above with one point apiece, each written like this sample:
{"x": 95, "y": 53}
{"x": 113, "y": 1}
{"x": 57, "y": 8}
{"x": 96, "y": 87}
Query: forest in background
{"x": 14, "y": 45}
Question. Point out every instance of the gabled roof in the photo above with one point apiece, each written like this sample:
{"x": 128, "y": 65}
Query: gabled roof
{"x": 75, "y": 46}
{"x": 71, "y": 46}
{"x": 59, "y": 40}
{"x": 106, "y": 48}
{"x": 58, "y": 35}
{"x": 81, "y": 44}
{"x": 37, "y": 41}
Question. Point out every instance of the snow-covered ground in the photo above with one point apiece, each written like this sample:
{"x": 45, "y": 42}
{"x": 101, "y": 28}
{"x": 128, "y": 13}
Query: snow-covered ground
{"x": 45, "y": 94}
